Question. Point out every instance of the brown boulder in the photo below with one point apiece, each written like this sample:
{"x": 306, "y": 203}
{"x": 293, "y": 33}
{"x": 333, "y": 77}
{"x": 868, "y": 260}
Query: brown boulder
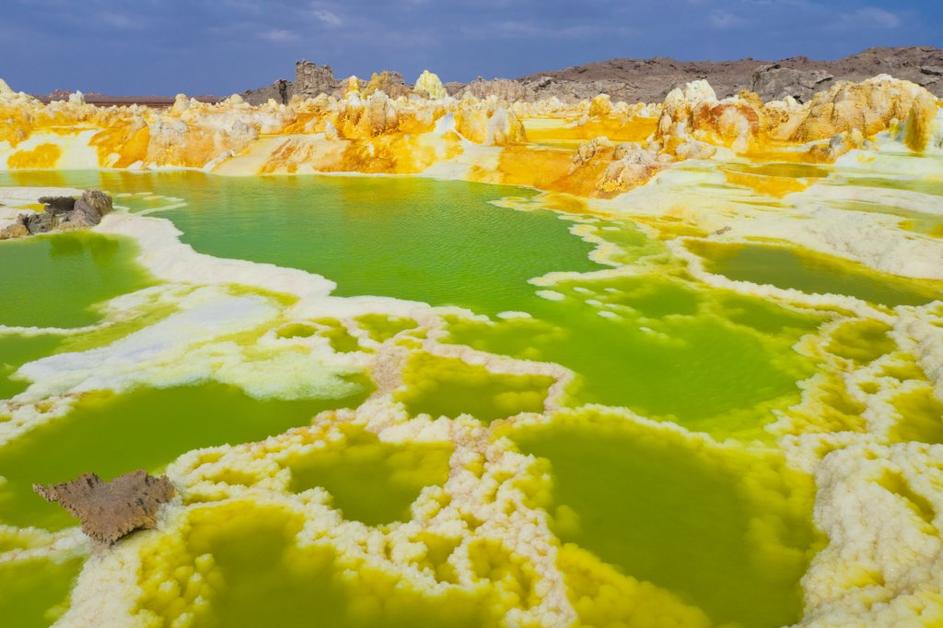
{"x": 16, "y": 230}
{"x": 109, "y": 511}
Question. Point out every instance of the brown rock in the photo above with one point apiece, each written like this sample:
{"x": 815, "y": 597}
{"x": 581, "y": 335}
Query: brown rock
{"x": 312, "y": 79}
{"x": 109, "y": 511}
{"x": 97, "y": 200}
{"x": 16, "y": 230}
{"x": 390, "y": 83}
{"x": 774, "y": 82}
{"x": 279, "y": 91}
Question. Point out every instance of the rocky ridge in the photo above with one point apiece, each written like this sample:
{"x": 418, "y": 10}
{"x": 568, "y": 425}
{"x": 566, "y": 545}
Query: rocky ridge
{"x": 647, "y": 80}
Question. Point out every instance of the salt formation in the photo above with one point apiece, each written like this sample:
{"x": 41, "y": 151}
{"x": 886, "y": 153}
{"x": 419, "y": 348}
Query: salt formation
{"x": 387, "y": 129}
{"x": 430, "y": 86}
{"x": 827, "y": 476}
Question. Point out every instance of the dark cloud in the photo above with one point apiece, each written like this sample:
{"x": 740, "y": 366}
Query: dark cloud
{"x": 221, "y": 46}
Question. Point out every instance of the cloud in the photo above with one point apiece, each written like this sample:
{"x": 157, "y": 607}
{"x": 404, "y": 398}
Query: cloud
{"x": 722, "y": 20}
{"x": 328, "y": 18}
{"x": 872, "y": 16}
{"x": 278, "y": 35}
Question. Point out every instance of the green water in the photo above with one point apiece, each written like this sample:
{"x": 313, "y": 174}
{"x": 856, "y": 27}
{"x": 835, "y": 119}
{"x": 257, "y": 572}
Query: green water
{"x": 34, "y": 592}
{"x": 17, "y": 350}
{"x": 260, "y": 577}
{"x": 440, "y": 242}
{"x": 55, "y": 280}
{"x": 862, "y": 340}
{"x": 920, "y": 416}
{"x": 726, "y": 528}
{"x": 668, "y": 512}
{"x": 142, "y": 429}
{"x": 372, "y": 481}
{"x": 381, "y": 327}
{"x": 811, "y": 273}
{"x": 670, "y": 352}
{"x": 450, "y": 387}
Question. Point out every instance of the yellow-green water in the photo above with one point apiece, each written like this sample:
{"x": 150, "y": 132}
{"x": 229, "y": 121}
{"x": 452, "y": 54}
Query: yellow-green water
{"x": 629, "y": 409}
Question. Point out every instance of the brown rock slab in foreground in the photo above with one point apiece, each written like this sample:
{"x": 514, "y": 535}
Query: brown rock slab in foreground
{"x": 111, "y": 510}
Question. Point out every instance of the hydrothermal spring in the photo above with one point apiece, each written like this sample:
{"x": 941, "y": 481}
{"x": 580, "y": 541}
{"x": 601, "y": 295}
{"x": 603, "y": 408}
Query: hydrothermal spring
{"x": 386, "y": 401}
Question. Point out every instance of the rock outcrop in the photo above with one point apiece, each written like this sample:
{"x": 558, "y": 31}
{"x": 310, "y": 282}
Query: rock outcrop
{"x": 109, "y": 511}
{"x": 61, "y": 213}
{"x": 775, "y": 82}
{"x": 390, "y": 83}
{"x": 312, "y": 79}
{"x": 279, "y": 91}
{"x": 502, "y": 89}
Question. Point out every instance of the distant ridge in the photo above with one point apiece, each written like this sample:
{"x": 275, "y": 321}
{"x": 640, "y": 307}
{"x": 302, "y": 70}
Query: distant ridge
{"x": 631, "y": 80}
{"x": 651, "y": 79}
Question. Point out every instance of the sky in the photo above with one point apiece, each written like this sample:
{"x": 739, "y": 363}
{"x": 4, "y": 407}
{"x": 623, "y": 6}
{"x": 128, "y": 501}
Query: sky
{"x": 224, "y": 46}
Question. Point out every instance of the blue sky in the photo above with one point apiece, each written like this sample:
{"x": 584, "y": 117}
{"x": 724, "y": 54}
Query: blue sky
{"x": 223, "y": 46}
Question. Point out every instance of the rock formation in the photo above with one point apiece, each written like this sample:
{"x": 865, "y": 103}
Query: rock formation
{"x": 390, "y": 83}
{"x": 775, "y": 82}
{"x": 491, "y": 131}
{"x": 312, "y": 79}
{"x": 108, "y": 511}
{"x": 61, "y": 213}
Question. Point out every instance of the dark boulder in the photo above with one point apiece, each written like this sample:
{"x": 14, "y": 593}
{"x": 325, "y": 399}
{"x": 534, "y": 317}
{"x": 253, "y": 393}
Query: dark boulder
{"x": 57, "y": 204}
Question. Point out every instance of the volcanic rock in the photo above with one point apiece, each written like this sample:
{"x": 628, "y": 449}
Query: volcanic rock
{"x": 502, "y": 89}
{"x": 774, "y": 82}
{"x": 62, "y": 213}
{"x": 312, "y": 79}
{"x": 279, "y": 91}
{"x": 650, "y": 80}
{"x": 39, "y": 223}
{"x": 58, "y": 204}
{"x": 108, "y": 511}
